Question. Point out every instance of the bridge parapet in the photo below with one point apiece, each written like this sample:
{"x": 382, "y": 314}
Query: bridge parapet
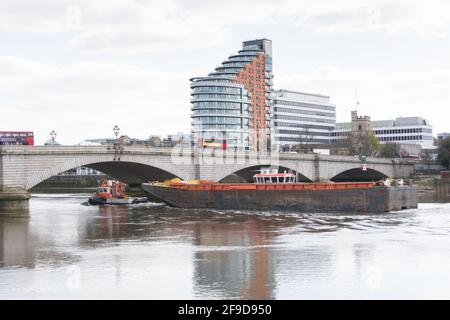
{"x": 147, "y": 150}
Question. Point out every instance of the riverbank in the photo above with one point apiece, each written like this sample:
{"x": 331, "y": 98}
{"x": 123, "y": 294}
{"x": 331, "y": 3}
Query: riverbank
{"x": 83, "y": 184}
{"x": 69, "y": 184}
{"x": 432, "y": 189}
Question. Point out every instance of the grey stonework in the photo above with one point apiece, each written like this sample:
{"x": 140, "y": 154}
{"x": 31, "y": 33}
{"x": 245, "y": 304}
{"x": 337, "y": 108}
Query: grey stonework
{"x": 23, "y": 167}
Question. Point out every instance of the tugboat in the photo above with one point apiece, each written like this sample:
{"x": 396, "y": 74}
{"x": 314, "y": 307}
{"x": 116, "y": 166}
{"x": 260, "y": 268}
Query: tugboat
{"x": 110, "y": 192}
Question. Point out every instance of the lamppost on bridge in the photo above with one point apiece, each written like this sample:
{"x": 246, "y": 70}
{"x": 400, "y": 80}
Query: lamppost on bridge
{"x": 53, "y": 136}
{"x": 116, "y": 131}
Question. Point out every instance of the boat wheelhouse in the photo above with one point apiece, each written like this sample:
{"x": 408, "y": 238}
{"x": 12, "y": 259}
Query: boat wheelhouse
{"x": 270, "y": 175}
{"x": 109, "y": 192}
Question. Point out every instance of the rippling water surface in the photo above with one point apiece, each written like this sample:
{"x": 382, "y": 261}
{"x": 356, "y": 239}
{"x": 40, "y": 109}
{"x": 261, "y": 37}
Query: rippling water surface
{"x": 69, "y": 250}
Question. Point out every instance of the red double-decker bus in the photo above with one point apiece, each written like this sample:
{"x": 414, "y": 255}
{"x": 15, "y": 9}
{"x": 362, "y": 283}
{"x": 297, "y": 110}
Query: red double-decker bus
{"x": 213, "y": 143}
{"x": 17, "y": 138}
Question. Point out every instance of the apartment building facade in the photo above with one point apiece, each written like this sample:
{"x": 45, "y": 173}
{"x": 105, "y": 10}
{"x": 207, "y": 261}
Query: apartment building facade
{"x": 234, "y": 102}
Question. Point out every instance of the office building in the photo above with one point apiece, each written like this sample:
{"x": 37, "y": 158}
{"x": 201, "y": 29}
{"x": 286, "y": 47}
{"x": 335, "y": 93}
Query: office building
{"x": 403, "y": 130}
{"x": 301, "y": 118}
{"x": 442, "y": 136}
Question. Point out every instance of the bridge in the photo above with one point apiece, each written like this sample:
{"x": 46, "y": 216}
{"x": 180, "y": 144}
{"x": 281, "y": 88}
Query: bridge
{"x": 23, "y": 167}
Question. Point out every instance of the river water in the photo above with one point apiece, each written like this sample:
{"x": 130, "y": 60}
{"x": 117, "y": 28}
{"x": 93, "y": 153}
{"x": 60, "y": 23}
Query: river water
{"x": 67, "y": 249}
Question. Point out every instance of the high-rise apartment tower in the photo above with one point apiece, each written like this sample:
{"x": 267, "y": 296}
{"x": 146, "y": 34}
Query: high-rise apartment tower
{"x": 234, "y": 103}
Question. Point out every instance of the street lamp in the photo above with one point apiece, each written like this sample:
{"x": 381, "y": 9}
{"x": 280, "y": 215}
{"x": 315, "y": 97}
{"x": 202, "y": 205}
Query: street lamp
{"x": 116, "y": 131}
{"x": 53, "y": 136}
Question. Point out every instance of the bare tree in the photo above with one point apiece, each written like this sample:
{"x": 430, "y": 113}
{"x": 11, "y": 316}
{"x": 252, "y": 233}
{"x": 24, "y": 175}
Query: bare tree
{"x": 304, "y": 139}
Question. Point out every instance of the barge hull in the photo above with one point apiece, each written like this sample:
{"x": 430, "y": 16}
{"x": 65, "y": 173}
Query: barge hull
{"x": 359, "y": 200}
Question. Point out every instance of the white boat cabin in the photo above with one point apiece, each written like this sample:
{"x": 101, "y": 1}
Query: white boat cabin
{"x": 273, "y": 176}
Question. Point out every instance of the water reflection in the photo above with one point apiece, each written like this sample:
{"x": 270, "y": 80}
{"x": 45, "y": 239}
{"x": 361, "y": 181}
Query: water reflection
{"x": 157, "y": 252}
{"x": 109, "y": 224}
{"x": 234, "y": 259}
{"x": 20, "y": 246}
{"x": 16, "y": 243}
{"x": 232, "y": 251}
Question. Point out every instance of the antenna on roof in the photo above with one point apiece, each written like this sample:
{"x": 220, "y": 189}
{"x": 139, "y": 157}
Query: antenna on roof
{"x": 356, "y": 99}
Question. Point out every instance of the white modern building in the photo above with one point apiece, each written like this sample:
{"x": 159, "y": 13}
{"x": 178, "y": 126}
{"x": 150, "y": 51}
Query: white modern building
{"x": 404, "y": 130}
{"x": 302, "y": 118}
{"x": 442, "y": 136}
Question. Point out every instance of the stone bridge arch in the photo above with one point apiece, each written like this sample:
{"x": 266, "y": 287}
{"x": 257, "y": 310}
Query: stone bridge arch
{"x": 359, "y": 175}
{"x": 132, "y": 169}
{"x": 248, "y": 170}
{"x": 353, "y": 171}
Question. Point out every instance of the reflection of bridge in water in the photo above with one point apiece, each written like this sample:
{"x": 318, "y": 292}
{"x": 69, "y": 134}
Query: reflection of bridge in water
{"x": 23, "y": 167}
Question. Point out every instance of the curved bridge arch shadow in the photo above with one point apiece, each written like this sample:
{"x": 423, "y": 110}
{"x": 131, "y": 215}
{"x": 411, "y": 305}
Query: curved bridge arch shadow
{"x": 247, "y": 173}
{"x": 358, "y": 175}
{"x": 132, "y": 173}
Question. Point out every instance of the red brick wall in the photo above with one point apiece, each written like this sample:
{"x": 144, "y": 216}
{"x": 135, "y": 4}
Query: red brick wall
{"x": 253, "y": 78}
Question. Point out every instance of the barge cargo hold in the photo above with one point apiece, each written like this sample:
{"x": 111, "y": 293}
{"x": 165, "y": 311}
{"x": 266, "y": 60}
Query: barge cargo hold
{"x": 297, "y": 197}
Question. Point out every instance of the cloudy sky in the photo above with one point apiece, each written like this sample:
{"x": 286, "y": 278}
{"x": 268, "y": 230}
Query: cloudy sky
{"x": 80, "y": 67}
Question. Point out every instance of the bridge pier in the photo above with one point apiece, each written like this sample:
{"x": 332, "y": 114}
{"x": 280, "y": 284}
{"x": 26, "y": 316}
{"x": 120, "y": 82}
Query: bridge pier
{"x": 14, "y": 201}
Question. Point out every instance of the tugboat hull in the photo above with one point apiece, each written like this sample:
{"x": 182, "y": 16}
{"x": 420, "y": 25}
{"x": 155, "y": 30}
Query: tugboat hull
{"x": 99, "y": 200}
{"x": 361, "y": 200}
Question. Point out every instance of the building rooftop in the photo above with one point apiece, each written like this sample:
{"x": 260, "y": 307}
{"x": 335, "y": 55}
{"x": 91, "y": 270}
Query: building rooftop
{"x": 398, "y": 122}
{"x": 291, "y": 95}
{"x": 343, "y": 125}
{"x": 258, "y": 44}
{"x": 405, "y": 121}
{"x": 443, "y": 135}
{"x": 302, "y": 93}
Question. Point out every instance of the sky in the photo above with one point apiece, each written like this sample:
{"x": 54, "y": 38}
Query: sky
{"x": 81, "y": 67}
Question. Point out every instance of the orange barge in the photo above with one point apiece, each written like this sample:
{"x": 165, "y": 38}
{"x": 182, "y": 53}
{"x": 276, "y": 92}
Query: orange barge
{"x": 269, "y": 195}
{"x": 208, "y": 186}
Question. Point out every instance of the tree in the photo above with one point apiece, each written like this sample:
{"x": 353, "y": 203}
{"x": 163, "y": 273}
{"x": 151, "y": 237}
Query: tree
{"x": 372, "y": 144}
{"x": 390, "y": 150}
{"x": 304, "y": 139}
{"x": 444, "y": 153}
{"x": 427, "y": 157}
{"x": 365, "y": 143}
{"x": 154, "y": 141}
